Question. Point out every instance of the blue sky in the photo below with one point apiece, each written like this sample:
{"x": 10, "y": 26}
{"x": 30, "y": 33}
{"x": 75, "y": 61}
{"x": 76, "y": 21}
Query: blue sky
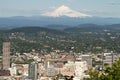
{"x": 101, "y": 8}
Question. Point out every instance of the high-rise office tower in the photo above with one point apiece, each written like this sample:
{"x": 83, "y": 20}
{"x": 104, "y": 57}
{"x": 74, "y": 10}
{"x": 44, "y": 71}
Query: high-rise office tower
{"x": 88, "y": 59}
{"x": 32, "y": 72}
{"x": 6, "y": 56}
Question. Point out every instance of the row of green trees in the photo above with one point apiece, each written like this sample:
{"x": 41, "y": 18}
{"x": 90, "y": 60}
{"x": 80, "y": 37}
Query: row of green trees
{"x": 108, "y": 73}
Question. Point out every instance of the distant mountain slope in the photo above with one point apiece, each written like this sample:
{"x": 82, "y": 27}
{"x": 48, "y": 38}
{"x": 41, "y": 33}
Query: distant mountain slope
{"x": 58, "y": 27}
{"x": 93, "y": 27}
{"x": 34, "y": 29}
{"x": 43, "y": 21}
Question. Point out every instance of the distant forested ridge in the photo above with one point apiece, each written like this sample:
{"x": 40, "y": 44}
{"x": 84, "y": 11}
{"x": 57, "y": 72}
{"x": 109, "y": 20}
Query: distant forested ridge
{"x": 82, "y": 38}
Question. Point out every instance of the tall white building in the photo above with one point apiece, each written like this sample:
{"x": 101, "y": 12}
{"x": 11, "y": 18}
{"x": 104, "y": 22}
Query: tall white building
{"x": 80, "y": 69}
{"x": 108, "y": 58}
{"x": 76, "y": 69}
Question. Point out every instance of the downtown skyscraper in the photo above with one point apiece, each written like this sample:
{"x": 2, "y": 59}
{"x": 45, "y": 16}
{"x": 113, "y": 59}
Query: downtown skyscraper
{"x": 6, "y": 56}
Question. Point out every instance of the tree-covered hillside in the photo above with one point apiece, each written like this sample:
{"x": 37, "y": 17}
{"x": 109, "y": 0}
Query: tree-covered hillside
{"x": 83, "y": 38}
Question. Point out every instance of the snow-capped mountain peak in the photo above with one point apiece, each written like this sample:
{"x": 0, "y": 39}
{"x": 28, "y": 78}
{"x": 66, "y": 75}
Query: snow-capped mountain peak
{"x": 65, "y": 11}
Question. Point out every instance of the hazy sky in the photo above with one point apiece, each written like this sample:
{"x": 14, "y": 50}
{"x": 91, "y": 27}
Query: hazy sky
{"x": 102, "y": 8}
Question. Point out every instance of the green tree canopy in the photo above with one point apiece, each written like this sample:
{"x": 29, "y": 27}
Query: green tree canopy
{"x": 108, "y": 73}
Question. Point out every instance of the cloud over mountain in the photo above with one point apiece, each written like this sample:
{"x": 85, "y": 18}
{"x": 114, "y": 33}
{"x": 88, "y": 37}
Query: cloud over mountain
{"x": 64, "y": 11}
